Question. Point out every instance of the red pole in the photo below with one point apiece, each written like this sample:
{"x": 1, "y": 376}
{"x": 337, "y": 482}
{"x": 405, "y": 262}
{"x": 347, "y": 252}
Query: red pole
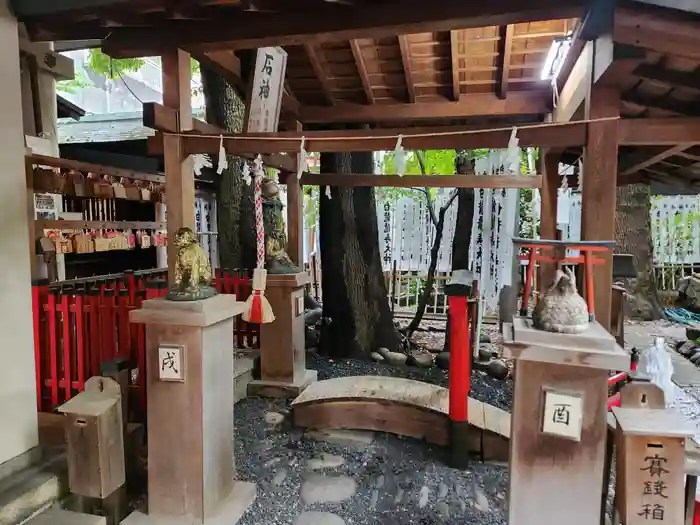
{"x": 460, "y": 358}
{"x": 65, "y": 309}
{"x": 53, "y": 348}
{"x": 94, "y": 331}
{"x": 80, "y": 342}
{"x": 528, "y": 281}
{"x": 36, "y": 319}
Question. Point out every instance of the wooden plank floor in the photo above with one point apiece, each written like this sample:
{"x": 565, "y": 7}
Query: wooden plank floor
{"x": 401, "y": 406}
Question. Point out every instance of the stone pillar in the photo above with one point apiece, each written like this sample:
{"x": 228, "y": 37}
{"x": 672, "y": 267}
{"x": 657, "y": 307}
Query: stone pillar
{"x": 283, "y": 370}
{"x": 17, "y": 378}
{"x": 189, "y": 369}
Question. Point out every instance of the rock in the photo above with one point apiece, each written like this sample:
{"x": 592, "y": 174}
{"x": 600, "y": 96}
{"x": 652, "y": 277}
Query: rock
{"x": 272, "y": 462}
{"x": 442, "y": 360}
{"x": 424, "y": 497}
{"x": 396, "y": 358}
{"x": 482, "y": 502}
{"x": 383, "y": 352}
{"x": 421, "y": 360}
{"x": 327, "y": 489}
{"x": 374, "y": 499}
{"x": 484, "y": 338}
{"x": 279, "y": 478}
{"x": 376, "y": 356}
{"x": 695, "y": 358}
{"x": 273, "y": 418}
{"x": 443, "y": 509}
{"x": 325, "y": 461}
{"x": 442, "y": 491}
{"x": 487, "y": 352}
{"x": 318, "y": 518}
{"x": 687, "y": 348}
{"x": 692, "y": 333}
{"x": 497, "y": 369}
{"x": 362, "y": 438}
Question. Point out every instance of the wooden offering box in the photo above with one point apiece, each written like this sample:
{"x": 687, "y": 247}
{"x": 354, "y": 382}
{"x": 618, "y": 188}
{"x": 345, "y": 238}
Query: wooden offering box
{"x": 557, "y": 445}
{"x": 650, "y": 465}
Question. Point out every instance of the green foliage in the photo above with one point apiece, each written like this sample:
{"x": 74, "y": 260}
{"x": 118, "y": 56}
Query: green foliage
{"x": 112, "y": 68}
{"x": 80, "y": 81}
{"x": 440, "y": 162}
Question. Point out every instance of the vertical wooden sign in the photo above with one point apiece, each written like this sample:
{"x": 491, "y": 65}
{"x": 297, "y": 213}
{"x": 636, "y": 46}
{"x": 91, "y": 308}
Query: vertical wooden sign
{"x": 265, "y": 97}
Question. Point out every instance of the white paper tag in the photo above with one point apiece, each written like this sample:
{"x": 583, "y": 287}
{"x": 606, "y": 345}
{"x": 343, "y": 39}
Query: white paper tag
{"x": 563, "y": 206}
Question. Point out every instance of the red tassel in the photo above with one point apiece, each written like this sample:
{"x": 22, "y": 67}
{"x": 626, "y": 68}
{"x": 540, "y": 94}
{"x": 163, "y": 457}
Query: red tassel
{"x": 256, "y": 308}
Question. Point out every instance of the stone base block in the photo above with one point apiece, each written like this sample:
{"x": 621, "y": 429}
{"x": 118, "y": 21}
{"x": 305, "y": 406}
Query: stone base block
{"x": 275, "y": 389}
{"x": 231, "y": 510}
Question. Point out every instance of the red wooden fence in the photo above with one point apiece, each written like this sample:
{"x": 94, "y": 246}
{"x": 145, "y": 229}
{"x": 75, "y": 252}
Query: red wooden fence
{"x": 80, "y": 324}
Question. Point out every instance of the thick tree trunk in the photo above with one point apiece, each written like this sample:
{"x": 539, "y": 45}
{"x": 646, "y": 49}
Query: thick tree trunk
{"x": 463, "y": 229}
{"x": 633, "y": 236}
{"x": 355, "y": 303}
{"x": 226, "y": 109}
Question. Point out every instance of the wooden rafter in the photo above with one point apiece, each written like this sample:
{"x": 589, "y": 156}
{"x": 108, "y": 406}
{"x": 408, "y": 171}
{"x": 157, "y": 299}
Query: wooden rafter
{"x": 662, "y": 103}
{"x": 362, "y": 69}
{"x": 319, "y": 71}
{"x": 329, "y": 24}
{"x": 405, "y": 47}
{"x": 454, "y": 56}
{"x": 517, "y": 103}
{"x": 504, "y": 49}
{"x": 670, "y": 77}
{"x": 666, "y": 153}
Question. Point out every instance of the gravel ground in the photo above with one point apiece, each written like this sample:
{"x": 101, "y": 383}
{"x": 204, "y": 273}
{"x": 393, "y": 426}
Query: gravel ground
{"x": 383, "y": 479}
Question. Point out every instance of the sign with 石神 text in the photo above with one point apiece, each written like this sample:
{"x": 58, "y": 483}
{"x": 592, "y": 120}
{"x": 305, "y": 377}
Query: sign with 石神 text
{"x": 265, "y": 98}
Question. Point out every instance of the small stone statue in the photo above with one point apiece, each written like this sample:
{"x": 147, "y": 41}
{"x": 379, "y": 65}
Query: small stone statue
{"x": 561, "y": 309}
{"x": 192, "y": 269}
{"x": 277, "y": 260}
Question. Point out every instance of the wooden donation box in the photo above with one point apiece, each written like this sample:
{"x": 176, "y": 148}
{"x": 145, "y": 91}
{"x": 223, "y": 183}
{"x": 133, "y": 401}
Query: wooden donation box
{"x": 650, "y": 479}
{"x": 558, "y": 427}
{"x": 189, "y": 371}
{"x": 94, "y": 434}
{"x": 283, "y": 370}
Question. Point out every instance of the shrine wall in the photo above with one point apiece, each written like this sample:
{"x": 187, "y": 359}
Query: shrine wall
{"x": 17, "y": 378}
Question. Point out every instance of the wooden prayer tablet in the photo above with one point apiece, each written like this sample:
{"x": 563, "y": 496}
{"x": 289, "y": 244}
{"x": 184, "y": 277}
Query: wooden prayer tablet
{"x": 594, "y": 348}
{"x": 652, "y": 422}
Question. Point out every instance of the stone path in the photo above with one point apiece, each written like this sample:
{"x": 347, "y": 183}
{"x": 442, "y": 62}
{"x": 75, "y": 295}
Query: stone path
{"x": 353, "y": 477}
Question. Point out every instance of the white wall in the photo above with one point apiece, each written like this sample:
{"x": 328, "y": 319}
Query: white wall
{"x": 18, "y": 431}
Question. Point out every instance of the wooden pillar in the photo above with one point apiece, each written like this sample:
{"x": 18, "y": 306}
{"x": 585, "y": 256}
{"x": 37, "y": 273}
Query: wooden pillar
{"x": 549, "y": 162}
{"x": 599, "y": 189}
{"x": 295, "y": 217}
{"x": 179, "y": 174}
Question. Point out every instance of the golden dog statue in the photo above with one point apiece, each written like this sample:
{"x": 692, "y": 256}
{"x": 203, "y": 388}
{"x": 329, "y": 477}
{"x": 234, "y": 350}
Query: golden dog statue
{"x": 192, "y": 269}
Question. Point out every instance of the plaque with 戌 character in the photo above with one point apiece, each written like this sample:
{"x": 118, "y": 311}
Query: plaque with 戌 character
{"x": 171, "y": 363}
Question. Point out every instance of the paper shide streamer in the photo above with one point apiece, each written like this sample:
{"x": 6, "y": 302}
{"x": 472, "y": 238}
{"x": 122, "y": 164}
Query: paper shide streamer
{"x": 223, "y": 162}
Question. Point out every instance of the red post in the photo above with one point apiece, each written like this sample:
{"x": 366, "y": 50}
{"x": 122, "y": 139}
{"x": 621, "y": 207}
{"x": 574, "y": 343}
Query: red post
{"x": 528, "y": 280}
{"x": 588, "y": 269}
{"x": 79, "y": 339}
{"x": 460, "y": 358}
{"x": 36, "y": 319}
{"x": 65, "y": 310}
{"x": 53, "y": 348}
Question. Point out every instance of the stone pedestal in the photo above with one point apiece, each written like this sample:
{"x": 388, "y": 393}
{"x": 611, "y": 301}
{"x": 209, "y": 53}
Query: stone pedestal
{"x": 558, "y": 426}
{"x": 189, "y": 354}
{"x": 283, "y": 370}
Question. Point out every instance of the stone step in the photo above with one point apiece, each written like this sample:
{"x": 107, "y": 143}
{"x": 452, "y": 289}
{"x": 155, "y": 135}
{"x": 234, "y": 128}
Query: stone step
{"x": 242, "y": 375}
{"x": 56, "y": 516}
{"x": 30, "y": 489}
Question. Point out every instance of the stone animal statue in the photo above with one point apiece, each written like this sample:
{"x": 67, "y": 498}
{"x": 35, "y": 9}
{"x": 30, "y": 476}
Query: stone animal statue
{"x": 561, "y": 309}
{"x": 192, "y": 269}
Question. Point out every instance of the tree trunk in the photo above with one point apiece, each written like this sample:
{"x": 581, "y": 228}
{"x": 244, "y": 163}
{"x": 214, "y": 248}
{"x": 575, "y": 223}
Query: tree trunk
{"x": 355, "y": 303}
{"x": 633, "y": 236}
{"x": 236, "y": 226}
{"x": 463, "y": 229}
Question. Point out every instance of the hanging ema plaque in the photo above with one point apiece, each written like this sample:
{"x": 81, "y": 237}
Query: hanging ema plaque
{"x": 265, "y": 98}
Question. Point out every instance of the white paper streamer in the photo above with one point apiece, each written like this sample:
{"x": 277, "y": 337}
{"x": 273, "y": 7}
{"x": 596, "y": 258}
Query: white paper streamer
{"x": 302, "y": 159}
{"x": 223, "y": 163}
{"x": 328, "y": 192}
{"x": 200, "y": 161}
{"x": 246, "y": 174}
{"x": 258, "y": 169}
{"x": 400, "y": 157}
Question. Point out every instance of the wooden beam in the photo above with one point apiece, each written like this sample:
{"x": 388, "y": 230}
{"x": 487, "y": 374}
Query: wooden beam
{"x": 505, "y": 46}
{"x": 517, "y": 103}
{"x": 405, "y": 47}
{"x": 567, "y": 135}
{"x": 160, "y": 118}
{"x": 663, "y": 31}
{"x": 599, "y": 190}
{"x": 670, "y": 152}
{"x": 659, "y": 131}
{"x": 179, "y": 174}
{"x": 362, "y": 70}
{"x": 54, "y": 63}
{"x": 420, "y": 181}
{"x": 319, "y": 72}
{"x": 669, "y": 77}
{"x": 685, "y": 109}
{"x": 454, "y": 57}
{"x": 330, "y": 24}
